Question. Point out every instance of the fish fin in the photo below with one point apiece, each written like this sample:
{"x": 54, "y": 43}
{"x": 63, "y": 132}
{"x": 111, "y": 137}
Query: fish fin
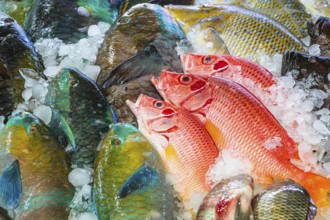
{"x": 215, "y": 134}
{"x": 67, "y": 132}
{"x": 145, "y": 176}
{"x": 146, "y": 62}
{"x": 11, "y": 185}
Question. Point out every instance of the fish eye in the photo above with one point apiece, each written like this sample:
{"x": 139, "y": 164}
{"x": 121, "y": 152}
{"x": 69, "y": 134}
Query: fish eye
{"x": 158, "y": 104}
{"x": 185, "y": 79}
{"x": 207, "y": 60}
{"x": 34, "y": 128}
{"x": 117, "y": 141}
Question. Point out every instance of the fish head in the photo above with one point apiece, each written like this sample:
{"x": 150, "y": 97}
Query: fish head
{"x": 156, "y": 120}
{"x": 190, "y": 92}
{"x": 24, "y": 132}
{"x": 209, "y": 65}
{"x": 5, "y": 19}
{"x": 121, "y": 134}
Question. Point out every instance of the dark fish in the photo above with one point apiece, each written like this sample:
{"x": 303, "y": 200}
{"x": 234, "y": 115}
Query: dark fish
{"x": 229, "y": 199}
{"x": 4, "y": 215}
{"x": 285, "y": 200}
{"x": 16, "y": 52}
{"x": 317, "y": 67}
{"x": 81, "y": 113}
{"x": 60, "y": 18}
{"x": 33, "y": 171}
{"x": 320, "y": 34}
{"x": 130, "y": 178}
{"x": 130, "y": 53}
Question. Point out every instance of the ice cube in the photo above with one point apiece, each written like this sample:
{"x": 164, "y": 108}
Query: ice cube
{"x": 83, "y": 11}
{"x": 87, "y": 216}
{"x": 27, "y": 94}
{"x": 93, "y": 30}
{"x": 79, "y": 177}
{"x": 51, "y": 71}
{"x": 320, "y": 127}
{"x": 38, "y": 91}
{"x": 92, "y": 71}
{"x": 314, "y": 50}
{"x": 44, "y": 113}
{"x": 103, "y": 26}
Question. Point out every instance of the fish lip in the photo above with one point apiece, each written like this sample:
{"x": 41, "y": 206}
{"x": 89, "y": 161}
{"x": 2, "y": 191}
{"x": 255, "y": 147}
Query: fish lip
{"x": 132, "y": 106}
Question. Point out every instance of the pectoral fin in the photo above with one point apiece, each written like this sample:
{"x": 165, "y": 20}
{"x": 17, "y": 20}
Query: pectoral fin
{"x": 11, "y": 185}
{"x": 146, "y": 62}
{"x": 145, "y": 176}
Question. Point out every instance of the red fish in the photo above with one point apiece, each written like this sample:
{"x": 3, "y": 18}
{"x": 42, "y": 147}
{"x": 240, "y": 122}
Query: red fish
{"x": 183, "y": 143}
{"x": 227, "y": 66}
{"x": 239, "y": 122}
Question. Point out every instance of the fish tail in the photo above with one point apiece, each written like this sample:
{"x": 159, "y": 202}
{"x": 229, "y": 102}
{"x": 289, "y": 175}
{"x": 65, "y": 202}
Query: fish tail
{"x": 319, "y": 189}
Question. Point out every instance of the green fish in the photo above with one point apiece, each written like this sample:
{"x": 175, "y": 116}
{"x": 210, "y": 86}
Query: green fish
{"x": 81, "y": 113}
{"x": 34, "y": 170}
{"x": 246, "y": 33}
{"x": 229, "y": 199}
{"x": 16, "y": 52}
{"x": 61, "y": 18}
{"x": 129, "y": 180}
{"x": 128, "y": 54}
{"x": 285, "y": 200}
{"x": 16, "y": 9}
{"x": 290, "y": 13}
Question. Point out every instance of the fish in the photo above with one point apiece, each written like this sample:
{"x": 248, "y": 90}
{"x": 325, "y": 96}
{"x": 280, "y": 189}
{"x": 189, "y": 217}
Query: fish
{"x": 4, "y": 215}
{"x": 81, "y": 113}
{"x": 291, "y": 14}
{"x": 35, "y": 184}
{"x": 16, "y": 52}
{"x": 246, "y": 33}
{"x": 284, "y": 200}
{"x": 227, "y": 66}
{"x": 130, "y": 178}
{"x": 238, "y": 122}
{"x": 128, "y": 54}
{"x": 127, "y": 4}
{"x": 186, "y": 149}
{"x": 320, "y": 34}
{"x": 61, "y": 19}
{"x": 229, "y": 199}
{"x": 16, "y": 9}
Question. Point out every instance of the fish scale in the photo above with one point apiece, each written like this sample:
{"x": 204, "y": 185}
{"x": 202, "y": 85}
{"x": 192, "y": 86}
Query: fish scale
{"x": 234, "y": 23}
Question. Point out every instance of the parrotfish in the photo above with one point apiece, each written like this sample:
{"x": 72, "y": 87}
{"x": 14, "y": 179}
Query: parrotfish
{"x": 320, "y": 34}
{"x": 61, "y": 18}
{"x": 237, "y": 121}
{"x": 284, "y": 200}
{"x": 81, "y": 113}
{"x": 246, "y": 33}
{"x": 16, "y": 52}
{"x": 130, "y": 179}
{"x": 185, "y": 147}
{"x": 34, "y": 170}
{"x": 130, "y": 53}
{"x": 229, "y": 199}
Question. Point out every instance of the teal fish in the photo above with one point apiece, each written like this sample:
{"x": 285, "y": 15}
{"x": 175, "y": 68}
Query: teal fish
{"x": 16, "y": 52}
{"x": 34, "y": 170}
{"x": 128, "y": 54}
{"x": 129, "y": 178}
{"x": 81, "y": 114}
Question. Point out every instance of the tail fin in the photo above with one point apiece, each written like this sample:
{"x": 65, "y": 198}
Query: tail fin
{"x": 318, "y": 188}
